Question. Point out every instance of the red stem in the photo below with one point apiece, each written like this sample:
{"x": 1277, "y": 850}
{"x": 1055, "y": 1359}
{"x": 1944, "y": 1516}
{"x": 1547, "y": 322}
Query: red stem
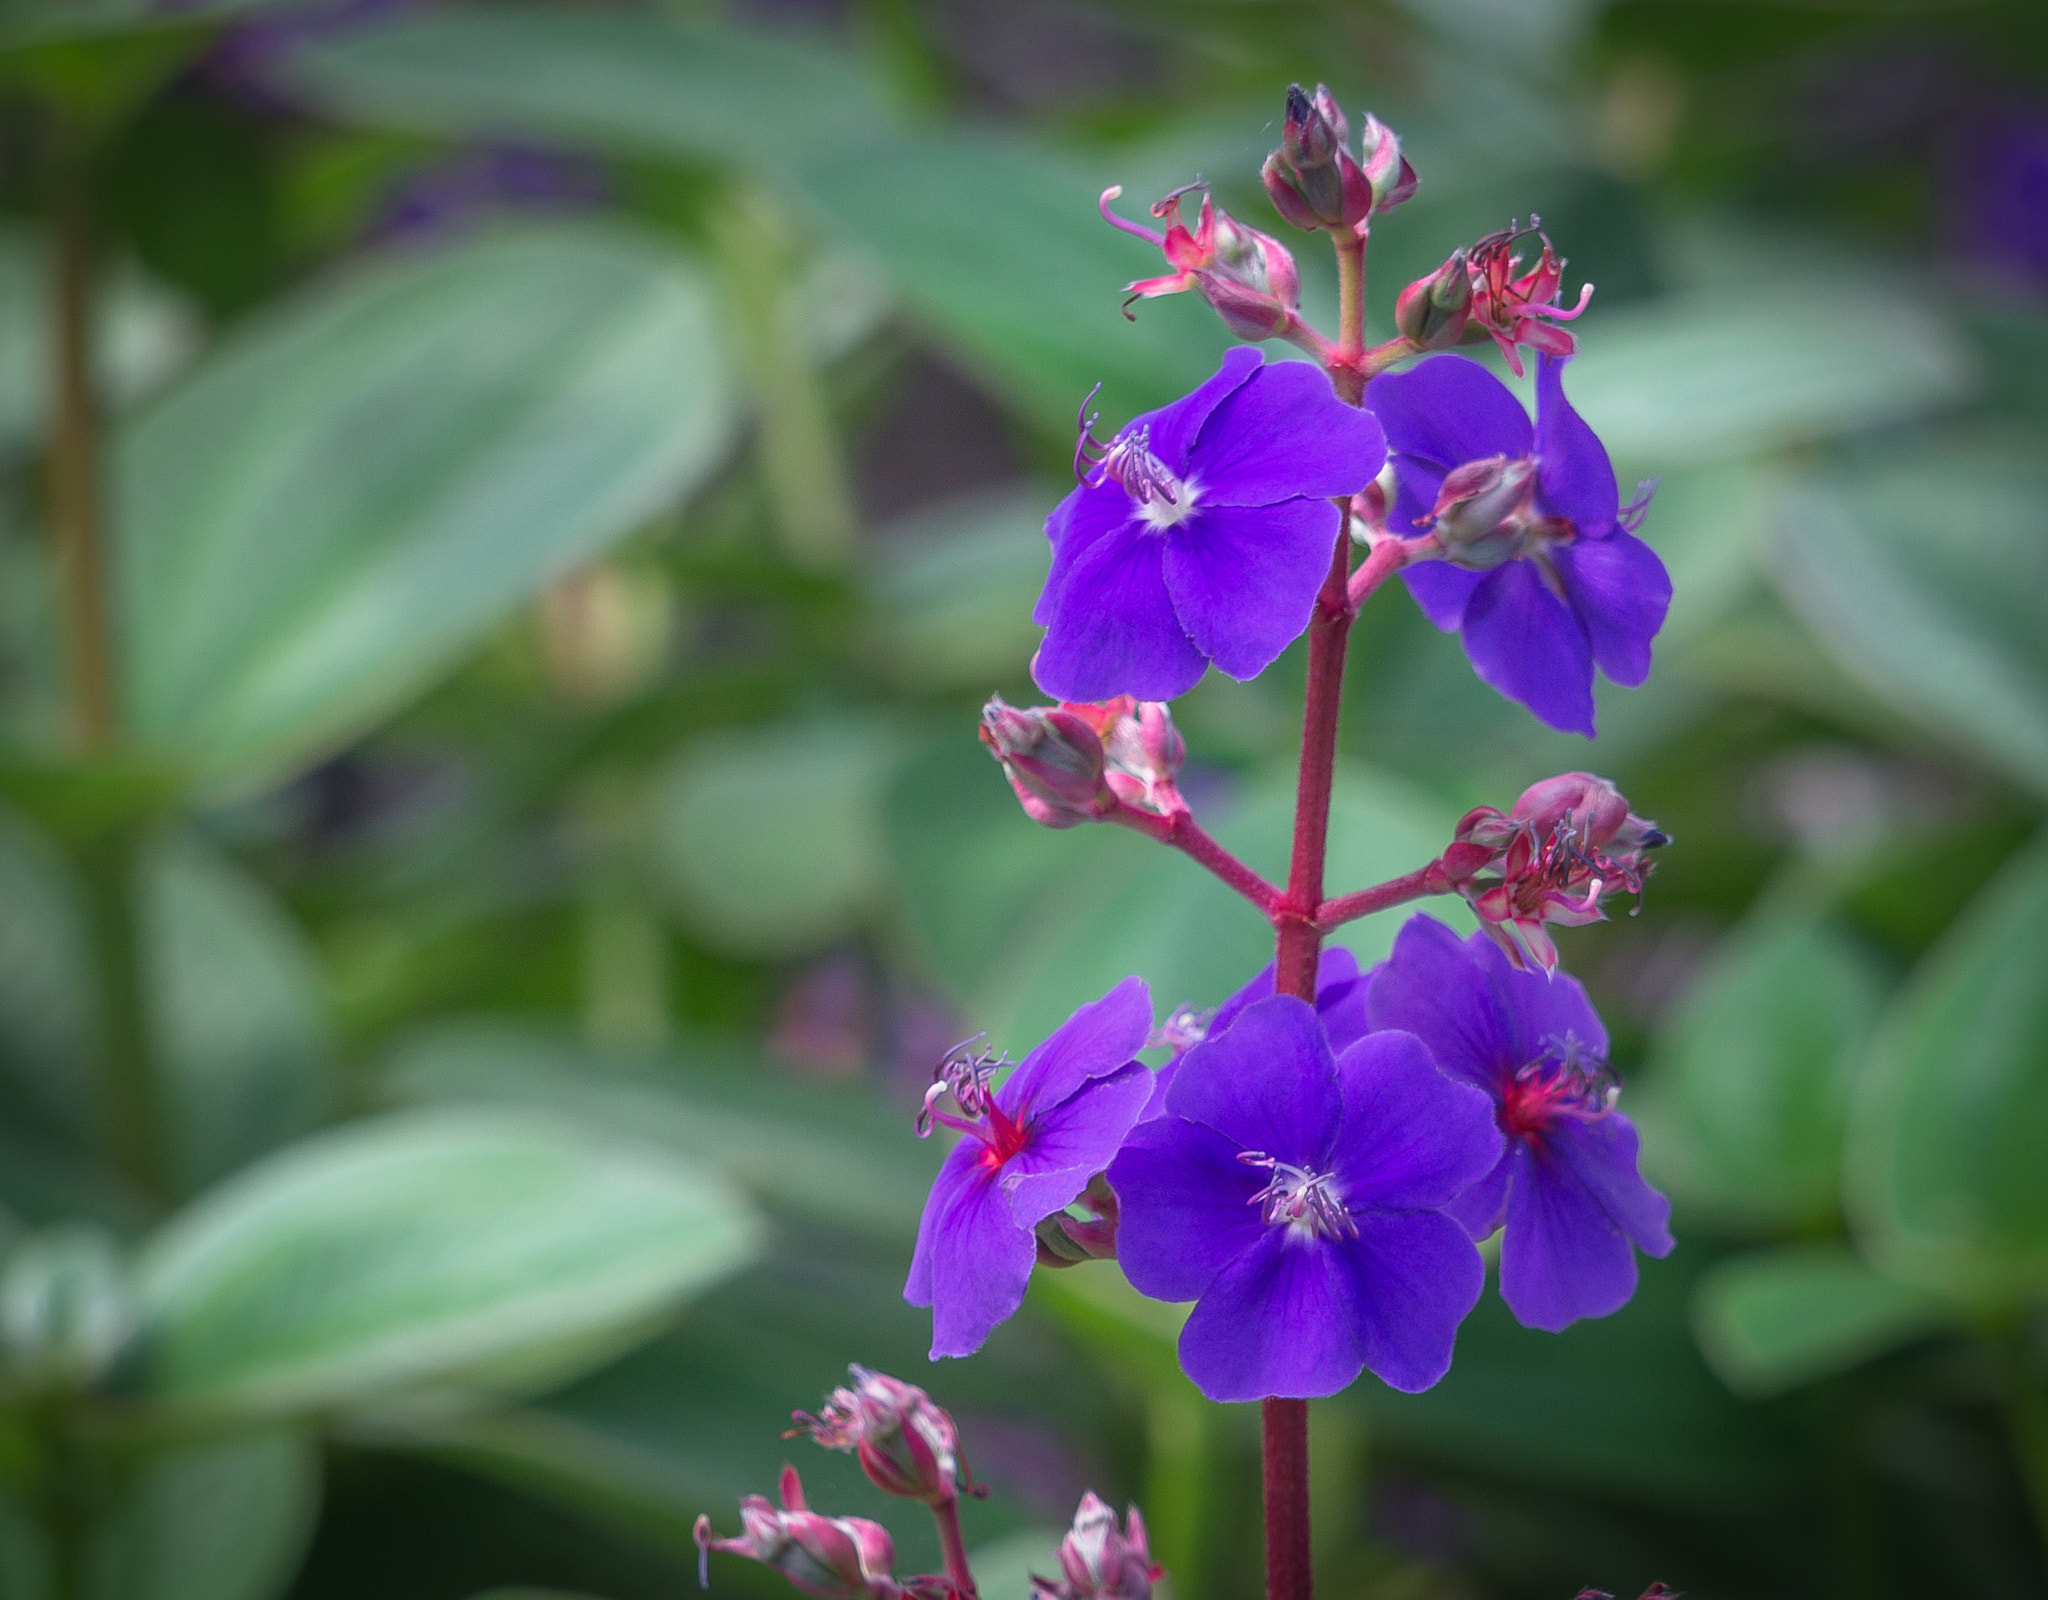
{"x": 1285, "y": 1461}
{"x": 1300, "y": 936}
{"x": 1395, "y": 891}
{"x": 1388, "y": 557}
{"x": 1183, "y": 833}
{"x": 961, "y": 1576}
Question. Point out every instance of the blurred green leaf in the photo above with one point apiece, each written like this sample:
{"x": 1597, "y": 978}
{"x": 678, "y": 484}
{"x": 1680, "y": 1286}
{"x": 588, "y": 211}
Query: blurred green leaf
{"x": 1772, "y": 365}
{"x": 48, "y": 989}
{"x": 418, "y": 1248}
{"x": 1024, "y": 924}
{"x": 954, "y": 589}
{"x": 639, "y": 83}
{"x": 144, "y": 333}
{"x": 771, "y": 838}
{"x": 833, "y": 1154}
{"x": 365, "y": 478}
{"x": 1004, "y": 1567}
{"x": 222, "y": 1521}
{"x": 243, "y": 1050}
{"x": 1947, "y": 1184}
{"x": 1781, "y": 1318}
{"x": 38, "y": 21}
{"x": 1748, "y": 1093}
{"x": 1925, "y": 570}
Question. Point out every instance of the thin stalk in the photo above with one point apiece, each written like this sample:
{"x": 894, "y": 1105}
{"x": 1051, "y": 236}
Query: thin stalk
{"x": 73, "y": 469}
{"x": 800, "y": 455}
{"x": 128, "y": 1109}
{"x": 947, "y": 1515}
{"x": 1345, "y": 369}
{"x": 1416, "y": 885}
{"x": 1181, "y": 832}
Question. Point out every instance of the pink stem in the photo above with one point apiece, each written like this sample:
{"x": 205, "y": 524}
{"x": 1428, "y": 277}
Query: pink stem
{"x": 961, "y": 1576}
{"x": 1395, "y": 891}
{"x": 1284, "y": 1460}
{"x": 1300, "y": 936}
{"x": 1388, "y": 557}
{"x": 1183, "y": 833}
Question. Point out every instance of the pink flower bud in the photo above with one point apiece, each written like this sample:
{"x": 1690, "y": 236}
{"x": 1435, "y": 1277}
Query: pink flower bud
{"x": 1247, "y": 276}
{"x": 1142, "y": 750}
{"x": 1065, "y": 1240}
{"x": 1483, "y": 510}
{"x": 1386, "y": 170}
{"x": 905, "y": 1444}
{"x": 1570, "y": 843}
{"x": 828, "y": 1558}
{"x": 1432, "y": 311}
{"x": 1312, "y": 178}
{"x": 1100, "y": 1562}
{"x": 1053, "y": 760}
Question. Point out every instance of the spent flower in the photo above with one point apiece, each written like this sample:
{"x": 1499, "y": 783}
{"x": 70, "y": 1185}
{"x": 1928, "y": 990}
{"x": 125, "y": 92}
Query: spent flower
{"x": 829, "y": 1558}
{"x": 1247, "y": 276}
{"x": 1519, "y": 309}
{"x": 1540, "y": 571}
{"x": 1565, "y": 1188}
{"x": 1030, "y": 1149}
{"x": 1054, "y": 760}
{"x": 1569, "y": 845}
{"x": 905, "y": 1444}
{"x": 1293, "y": 1194}
{"x": 1142, "y": 750}
{"x": 1099, "y": 1560}
{"x": 1200, "y": 533}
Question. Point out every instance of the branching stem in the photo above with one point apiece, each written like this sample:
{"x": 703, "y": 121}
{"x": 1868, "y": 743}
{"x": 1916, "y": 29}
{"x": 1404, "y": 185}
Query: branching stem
{"x": 1183, "y": 833}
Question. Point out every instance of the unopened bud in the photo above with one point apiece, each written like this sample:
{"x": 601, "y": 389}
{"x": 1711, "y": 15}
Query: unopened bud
{"x": 1478, "y": 509}
{"x": 66, "y": 1309}
{"x": 1311, "y": 177}
{"x": 1053, "y": 760}
{"x": 828, "y": 1558}
{"x": 1432, "y": 311}
{"x": 1099, "y": 1561}
{"x": 1065, "y": 1240}
{"x": 1386, "y": 170}
{"x": 1142, "y": 749}
{"x": 905, "y": 1444}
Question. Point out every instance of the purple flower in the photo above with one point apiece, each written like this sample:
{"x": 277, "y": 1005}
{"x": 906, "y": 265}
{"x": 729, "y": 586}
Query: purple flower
{"x": 1293, "y": 1195}
{"x": 1566, "y": 1186}
{"x": 1201, "y": 534}
{"x": 1542, "y": 571}
{"x": 1031, "y": 1148}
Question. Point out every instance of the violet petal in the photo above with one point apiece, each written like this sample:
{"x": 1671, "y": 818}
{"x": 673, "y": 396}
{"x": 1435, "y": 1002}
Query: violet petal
{"x": 1526, "y": 643}
{"x": 1431, "y": 987}
{"x": 1114, "y": 630}
{"x": 1072, "y": 1141}
{"x": 1621, "y": 592}
{"x": 1278, "y": 1321}
{"x": 1448, "y": 410}
{"x": 1574, "y": 478}
{"x": 973, "y": 1262}
{"x": 1417, "y": 1276}
{"x": 1413, "y": 1137}
{"x": 1244, "y": 578}
{"x": 1098, "y": 1039}
{"x": 1185, "y": 1207}
{"x": 1285, "y": 434}
{"x": 1269, "y": 1084}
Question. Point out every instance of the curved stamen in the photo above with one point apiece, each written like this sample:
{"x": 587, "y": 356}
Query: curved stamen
{"x": 1300, "y": 1198}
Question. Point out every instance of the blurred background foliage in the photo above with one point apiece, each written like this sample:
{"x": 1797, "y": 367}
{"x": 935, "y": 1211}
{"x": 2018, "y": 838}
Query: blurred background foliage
{"x": 507, "y": 516}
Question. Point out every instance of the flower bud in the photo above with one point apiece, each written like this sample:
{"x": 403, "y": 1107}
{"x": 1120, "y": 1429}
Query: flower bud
{"x": 829, "y": 1558}
{"x": 1100, "y": 1562}
{"x": 1065, "y": 1240}
{"x": 1053, "y": 760}
{"x": 1432, "y": 311}
{"x": 1142, "y": 750}
{"x": 1247, "y": 276}
{"x": 1386, "y": 170}
{"x": 1480, "y": 508}
{"x": 905, "y": 1444}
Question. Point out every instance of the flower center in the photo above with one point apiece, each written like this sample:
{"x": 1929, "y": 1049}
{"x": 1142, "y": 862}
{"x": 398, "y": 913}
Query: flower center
{"x": 1306, "y": 1202}
{"x": 1164, "y": 500}
{"x": 965, "y": 1075}
{"x": 1567, "y": 1080}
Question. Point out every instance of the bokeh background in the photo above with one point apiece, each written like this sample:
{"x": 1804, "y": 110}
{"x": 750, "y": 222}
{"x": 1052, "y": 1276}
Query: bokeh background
{"x": 508, "y": 514}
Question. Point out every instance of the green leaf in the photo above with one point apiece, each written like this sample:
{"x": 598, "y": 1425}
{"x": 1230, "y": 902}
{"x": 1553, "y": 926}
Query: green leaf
{"x": 1023, "y": 924}
{"x": 1748, "y": 1092}
{"x": 1946, "y": 1181}
{"x": 771, "y": 838}
{"x": 422, "y": 1248}
{"x": 1925, "y": 571}
{"x": 834, "y": 1155}
{"x": 222, "y": 1521}
{"x": 40, "y": 21}
{"x": 1776, "y": 363}
{"x": 366, "y": 478}
{"x": 48, "y": 989}
{"x": 954, "y": 588}
{"x": 1781, "y": 1318}
{"x": 638, "y": 83}
{"x": 237, "y": 993}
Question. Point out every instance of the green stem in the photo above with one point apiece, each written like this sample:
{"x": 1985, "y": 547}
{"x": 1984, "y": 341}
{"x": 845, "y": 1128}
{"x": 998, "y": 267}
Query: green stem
{"x": 1345, "y": 371}
{"x": 129, "y": 1114}
{"x": 73, "y": 465}
{"x": 800, "y": 455}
